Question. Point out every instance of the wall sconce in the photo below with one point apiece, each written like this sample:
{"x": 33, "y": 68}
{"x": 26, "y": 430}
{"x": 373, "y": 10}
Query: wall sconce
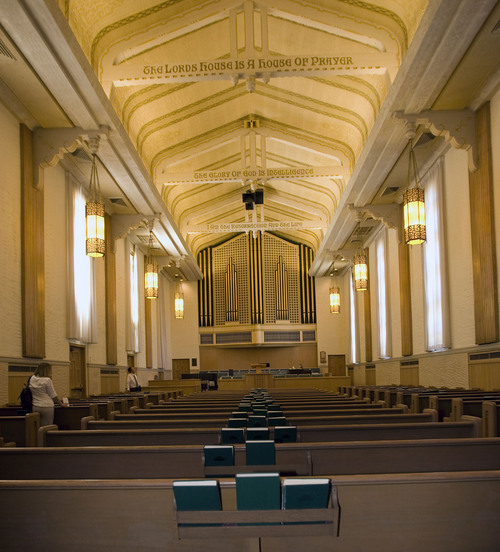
{"x": 94, "y": 209}
{"x": 179, "y": 301}
{"x": 413, "y": 204}
{"x": 151, "y": 273}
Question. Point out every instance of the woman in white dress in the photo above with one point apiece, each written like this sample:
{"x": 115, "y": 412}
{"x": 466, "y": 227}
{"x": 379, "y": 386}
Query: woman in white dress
{"x": 44, "y": 394}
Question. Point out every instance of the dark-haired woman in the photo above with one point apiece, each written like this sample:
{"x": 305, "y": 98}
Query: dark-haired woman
{"x": 44, "y": 394}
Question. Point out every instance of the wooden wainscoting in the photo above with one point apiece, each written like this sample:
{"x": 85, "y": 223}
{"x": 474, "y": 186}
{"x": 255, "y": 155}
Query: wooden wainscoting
{"x": 485, "y": 374}
{"x": 110, "y": 382}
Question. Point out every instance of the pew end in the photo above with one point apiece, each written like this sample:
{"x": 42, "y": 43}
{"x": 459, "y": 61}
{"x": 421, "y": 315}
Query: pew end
{"x": 22, "y": 430}
{"x": 490, "y": 423}
{"x": 433, "y": 412}
{"x": 477, "y": 424}
{"x": 85, "y": 421}
{"x": 382, "y": 403}
{"x": 42, "y": 434}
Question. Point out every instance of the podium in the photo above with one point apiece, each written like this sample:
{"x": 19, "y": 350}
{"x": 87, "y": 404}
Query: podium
{"x": 258, "y": 367}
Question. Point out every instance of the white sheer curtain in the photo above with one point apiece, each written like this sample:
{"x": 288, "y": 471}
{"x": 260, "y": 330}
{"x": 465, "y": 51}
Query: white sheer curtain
{"x": 437, "y": 332}
{"x": 384, "y": 341}
{"x": 352, "y": 320}
{"x": 164, "y": 320}
{"x": 132, "y": 272}
{"x": 81, "y": 287}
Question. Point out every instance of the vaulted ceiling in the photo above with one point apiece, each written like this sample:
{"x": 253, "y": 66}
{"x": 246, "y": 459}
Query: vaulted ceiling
{"x": 217, "y": 94}
{"x": 201, "y": 101}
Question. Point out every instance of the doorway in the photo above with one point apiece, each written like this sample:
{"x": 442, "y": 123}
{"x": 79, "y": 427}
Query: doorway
{"x": 180, "y": 366}
{"x": 336, "y": 365}
{"x": 77, "y": 372}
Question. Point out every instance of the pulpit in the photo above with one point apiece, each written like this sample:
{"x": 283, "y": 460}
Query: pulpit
{"x": 258, "y": 367}
{"x": 258, "y": 379}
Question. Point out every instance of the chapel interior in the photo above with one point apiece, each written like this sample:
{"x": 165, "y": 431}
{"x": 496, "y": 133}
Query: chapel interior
{"x": 250, "y": 168}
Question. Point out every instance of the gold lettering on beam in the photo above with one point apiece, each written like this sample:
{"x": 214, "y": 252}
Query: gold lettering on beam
{"x": 237, "y": 175}
{"x": 257, "y": 226}
{"x": 282, "y": 66}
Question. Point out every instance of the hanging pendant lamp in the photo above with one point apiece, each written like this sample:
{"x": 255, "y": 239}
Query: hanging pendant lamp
{"x": 179, "y": 301}
{"x": 334, "y": 295}
{"x": 360, "y": 271}
{"x": 94, "y": 210}
{"x": 413, "y": 204}
{"x": 360, "y": 266}
{"x": 151, "y": 273}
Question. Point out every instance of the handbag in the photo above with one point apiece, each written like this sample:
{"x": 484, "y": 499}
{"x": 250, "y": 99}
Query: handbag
{"x": 26, "y": 397}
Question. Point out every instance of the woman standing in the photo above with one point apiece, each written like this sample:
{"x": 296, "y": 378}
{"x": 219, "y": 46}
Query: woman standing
{"x": 44, "y": 394}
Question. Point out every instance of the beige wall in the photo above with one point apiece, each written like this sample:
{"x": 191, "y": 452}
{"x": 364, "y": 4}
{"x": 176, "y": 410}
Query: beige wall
{"x": 449, "y": 370}
{"x": 495, "y": 149}
{"x": 332, "y": 329}
{"x": 10, "y": 248}
{"x": 56, "y": 265}
{"x": 459, "y": 248}
{"x": 213, "y": 358}
{"x": 10, "y": 237}
{"x": 184, "y": 337}
{"x": 387, "y": 372}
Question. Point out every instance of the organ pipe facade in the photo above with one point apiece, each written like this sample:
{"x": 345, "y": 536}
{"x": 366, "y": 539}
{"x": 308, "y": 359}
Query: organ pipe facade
{"x": 256, "y": 280}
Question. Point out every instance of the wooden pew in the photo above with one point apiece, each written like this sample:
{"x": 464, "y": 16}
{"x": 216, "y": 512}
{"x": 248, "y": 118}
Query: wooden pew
{"x": 356, "y": 457}
{"x": 443, "y": 404}
{"x": 147, "y": 413}
{"x": 431, "y": 430}
{"x": 443, "y": 400}
{"x": 49, "y": 436}
{"x": 324, "y": 415}
{"x": 491, "y": 419}
{"x": 461, "y": 407}
{"x": 417, "y": 398}
{"x": 71, "y": 417}
{"x": 388, "y": 512}
{"x": 16, "y": 410}
{"x": 136, "y": 423}
{"x": 125, "y": 399}
{"x": 104, "y": 408}
{"x": 172, "y": 409}
{"x": 22, "y": 430}
{"x": 212, "y": 412}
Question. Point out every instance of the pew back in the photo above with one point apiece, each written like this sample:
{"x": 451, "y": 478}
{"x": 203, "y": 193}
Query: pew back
{"x": 374, "y": 511}
{"x": 345, "y": 458}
